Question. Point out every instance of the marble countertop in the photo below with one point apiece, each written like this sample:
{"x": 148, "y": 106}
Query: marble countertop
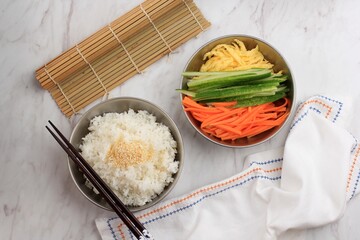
{"x": 38, "y": 200}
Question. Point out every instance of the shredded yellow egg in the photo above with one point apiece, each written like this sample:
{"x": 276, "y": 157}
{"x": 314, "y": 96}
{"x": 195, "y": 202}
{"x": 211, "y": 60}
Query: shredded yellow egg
{"x": 232, "y": 57}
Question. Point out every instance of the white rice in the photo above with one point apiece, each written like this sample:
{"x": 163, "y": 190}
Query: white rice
{"x": 135, "y": 178}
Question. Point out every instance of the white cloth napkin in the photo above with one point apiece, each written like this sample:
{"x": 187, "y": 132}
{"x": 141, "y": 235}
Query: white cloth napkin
{"x": 304, "y": 184}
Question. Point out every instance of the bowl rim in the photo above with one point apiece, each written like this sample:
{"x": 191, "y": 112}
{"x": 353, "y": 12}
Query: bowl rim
{"x": 293, "y": 102}
{"x": 180, "y": 152}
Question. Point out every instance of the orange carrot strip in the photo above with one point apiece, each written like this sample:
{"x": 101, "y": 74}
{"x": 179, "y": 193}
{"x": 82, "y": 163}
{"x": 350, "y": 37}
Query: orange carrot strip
{"x": 223, "y": 116}
{"x": 191, "y": 103}
{"x": 281, "y": 119}
{"x": 275, "y": 108}
{"x": 224, "y": 109}
{"x": 258, "y": 130}
{"x": 228, "y": 123}
{"x": 224, "y": 104}
{"x": 266, "y": 115}
{"x": 218, "y": 131}
{"x": 229, "y": 129}
{"x": 252, "y": 112}
{"x": 203, "y": 110}
{"x": 199, "y": 117}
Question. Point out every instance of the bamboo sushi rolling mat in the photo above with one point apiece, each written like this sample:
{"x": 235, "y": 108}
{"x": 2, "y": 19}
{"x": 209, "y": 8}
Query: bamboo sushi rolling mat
{"x": 115, "y": 53}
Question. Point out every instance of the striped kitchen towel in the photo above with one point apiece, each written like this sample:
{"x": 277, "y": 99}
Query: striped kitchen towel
{"x": 304, "y": 184}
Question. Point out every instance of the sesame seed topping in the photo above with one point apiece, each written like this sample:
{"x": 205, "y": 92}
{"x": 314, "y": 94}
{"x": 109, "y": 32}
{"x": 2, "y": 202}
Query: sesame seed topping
{"x": 124, "y": 154}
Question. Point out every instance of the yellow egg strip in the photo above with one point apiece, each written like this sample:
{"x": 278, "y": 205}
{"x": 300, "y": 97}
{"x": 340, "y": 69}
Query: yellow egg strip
{"x": 232, "y": 57}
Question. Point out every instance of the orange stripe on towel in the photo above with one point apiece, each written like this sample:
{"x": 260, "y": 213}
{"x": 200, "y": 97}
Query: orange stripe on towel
{"x": 202, "y": 190}
{"x": 352, "y": 168}
{"x": 329, "y": 108}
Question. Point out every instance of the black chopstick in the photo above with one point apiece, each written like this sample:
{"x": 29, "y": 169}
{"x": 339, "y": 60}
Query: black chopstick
{"x": 139, "y": 231}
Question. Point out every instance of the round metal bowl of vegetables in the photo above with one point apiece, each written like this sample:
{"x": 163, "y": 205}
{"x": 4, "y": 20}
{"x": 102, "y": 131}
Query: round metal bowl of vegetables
{"x": 237, "y": 91}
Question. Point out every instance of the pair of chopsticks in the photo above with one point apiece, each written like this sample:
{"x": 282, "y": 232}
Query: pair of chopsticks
{"x": 139, "y": 231}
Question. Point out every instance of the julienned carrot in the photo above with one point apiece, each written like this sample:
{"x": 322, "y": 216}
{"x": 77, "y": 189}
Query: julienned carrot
{"x": 223, "y": 104}
{"x": 222, "y": 116}
{"x": 226, "y": 122}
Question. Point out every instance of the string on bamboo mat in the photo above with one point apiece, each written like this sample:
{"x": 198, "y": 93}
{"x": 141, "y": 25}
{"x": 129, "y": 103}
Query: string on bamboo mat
{"x": 118, "y": 51}
{"x": 157, "y": 30}
{"x": 93, "y": 70}
{"x": 127, "y": 53}
{"x": 62, "y": 91}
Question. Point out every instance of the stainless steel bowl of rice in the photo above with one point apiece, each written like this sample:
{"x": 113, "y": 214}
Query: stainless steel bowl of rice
{"x": 134, "y": 146}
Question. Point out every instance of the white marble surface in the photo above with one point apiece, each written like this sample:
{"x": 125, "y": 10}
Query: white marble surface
{"x": 38, "y": 200}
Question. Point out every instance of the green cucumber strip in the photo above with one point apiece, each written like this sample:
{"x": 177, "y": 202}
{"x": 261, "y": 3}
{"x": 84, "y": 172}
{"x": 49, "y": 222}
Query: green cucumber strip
{"x": 235, "y": 91}
{"x": 242, "y": 97}
{"x": 265, "y": 80}
{"x": 228, "y": 76}
{"x": 224, "y": 79}
{"x": 241, "y": 83}
{"x": 280, "y": 89}
{"x": 259, "y": 100}
{"x": 186, "y": 92}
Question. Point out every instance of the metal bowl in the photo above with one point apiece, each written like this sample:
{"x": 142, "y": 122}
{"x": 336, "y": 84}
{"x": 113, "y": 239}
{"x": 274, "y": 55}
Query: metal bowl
{"x": 272, "y": 55}
{"x": 119, "y": 105}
